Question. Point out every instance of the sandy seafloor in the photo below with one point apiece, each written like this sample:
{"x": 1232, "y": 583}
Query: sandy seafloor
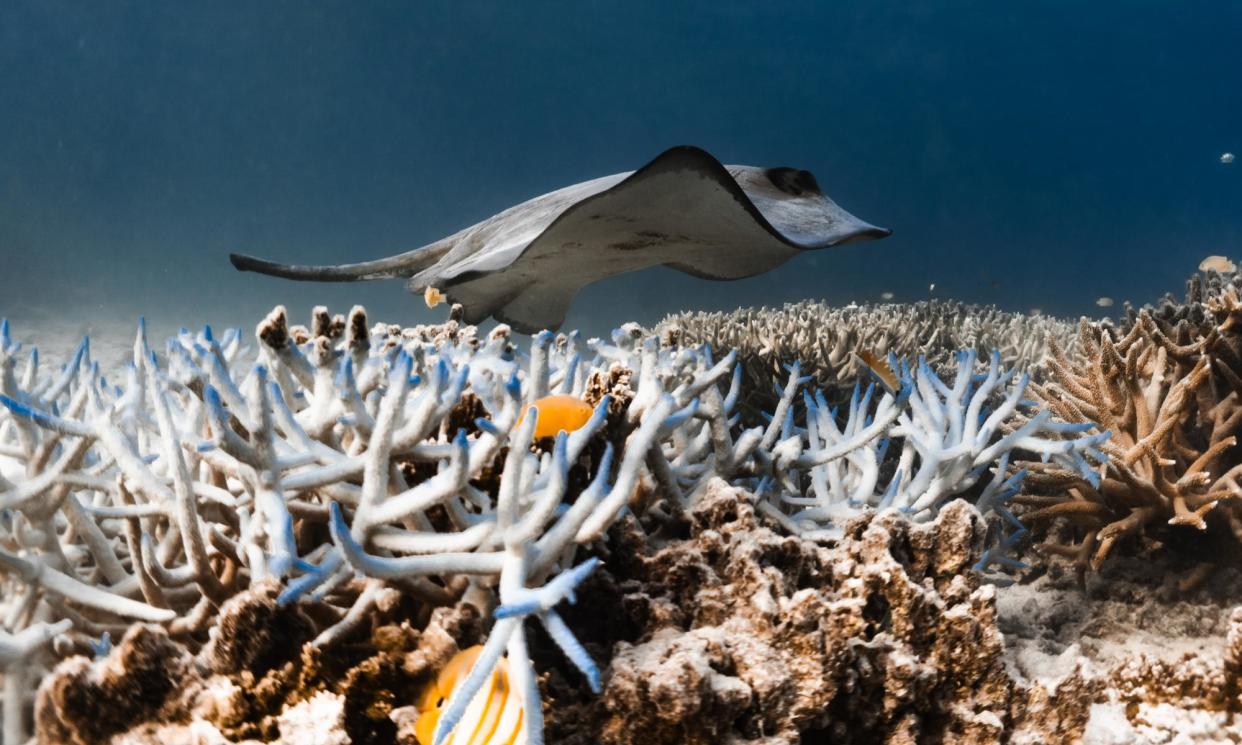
{"x": 1131, "y": 617}
{"x": 111, "y": 340}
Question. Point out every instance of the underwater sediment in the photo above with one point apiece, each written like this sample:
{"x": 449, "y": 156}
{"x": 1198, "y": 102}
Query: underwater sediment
{"x": 290, "y": 544}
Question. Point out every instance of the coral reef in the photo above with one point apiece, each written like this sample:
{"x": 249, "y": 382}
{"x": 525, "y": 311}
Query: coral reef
{"x": 354, "y": 468}
{"x": 826, "y": 339}
{"x": 731, "y": 633}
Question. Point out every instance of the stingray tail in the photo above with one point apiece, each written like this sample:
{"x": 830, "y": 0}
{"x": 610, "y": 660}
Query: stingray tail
{"x": 401, "y": 265}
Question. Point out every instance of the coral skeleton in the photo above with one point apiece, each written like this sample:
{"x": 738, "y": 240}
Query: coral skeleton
{"x": 345, "y": 464}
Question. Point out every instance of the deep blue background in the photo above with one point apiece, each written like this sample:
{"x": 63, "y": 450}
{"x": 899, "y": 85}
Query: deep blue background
{"x": 1027, "y": 154}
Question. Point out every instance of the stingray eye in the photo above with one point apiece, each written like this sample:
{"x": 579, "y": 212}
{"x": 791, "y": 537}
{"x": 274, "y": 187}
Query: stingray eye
{"x": 792, "y": 181}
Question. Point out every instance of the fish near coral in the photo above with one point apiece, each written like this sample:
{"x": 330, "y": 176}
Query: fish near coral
{"x": 881, "y": 369}
{"x": 494, "y": 716}
{"x": 558, "y": 413}
{"x": 683, "y": 210}
{"x": 1220, "y": 264}
{"x": 432, "y": 297}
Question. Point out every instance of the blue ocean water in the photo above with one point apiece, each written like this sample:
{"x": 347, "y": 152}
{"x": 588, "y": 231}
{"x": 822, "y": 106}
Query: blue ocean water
{"x": 1032, "y": 155}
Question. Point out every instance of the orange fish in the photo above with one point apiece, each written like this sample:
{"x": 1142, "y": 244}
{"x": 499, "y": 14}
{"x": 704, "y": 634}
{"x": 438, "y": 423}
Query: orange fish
{"x": 494, "y": 716}
{"x": 558, "y": 413}
{"x": 881, "y": 368}
{"x": 433, "y": 297}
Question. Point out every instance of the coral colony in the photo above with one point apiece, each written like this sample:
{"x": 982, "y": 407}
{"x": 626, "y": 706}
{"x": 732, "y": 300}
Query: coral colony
{"x": 344, "y": 463}
{"x": 1170, "y": 389}
{"x": 828, "y": 341}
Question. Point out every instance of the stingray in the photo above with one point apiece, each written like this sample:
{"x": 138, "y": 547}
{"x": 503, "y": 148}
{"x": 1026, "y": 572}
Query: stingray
{"x": 683, "y": 210}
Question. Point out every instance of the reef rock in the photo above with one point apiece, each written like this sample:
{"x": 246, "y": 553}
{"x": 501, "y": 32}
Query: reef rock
{"x": 745, "y": 635}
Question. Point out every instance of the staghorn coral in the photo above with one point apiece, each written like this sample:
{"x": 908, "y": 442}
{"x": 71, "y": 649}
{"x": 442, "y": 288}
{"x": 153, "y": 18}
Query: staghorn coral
{"x": 1202, "y": 288}
{"x": 343, "y": 473}
{"x": 948, "y": 442}
{"x": 825, "y": 339}
{"x": 1171, "y": 394}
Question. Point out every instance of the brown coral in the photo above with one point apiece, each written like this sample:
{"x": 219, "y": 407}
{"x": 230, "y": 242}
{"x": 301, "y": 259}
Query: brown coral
{"x": 824, "y": 339}
{"x": 1172, "y": 397}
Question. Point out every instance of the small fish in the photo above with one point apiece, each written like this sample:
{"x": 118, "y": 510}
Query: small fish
{"x": 880, "y": 368}
{"x": 558, "y": 413}
{"x": 494, "y": 716}
{"x": 931, "y": 287}
{"x": 433, "y": 297}
{"x": 886, "y": 296}
{"x": 1104, "y": 302}
{"x": 1220, "y": 264}
{"x": 1035, "y": 312}
{"x": 1226, "y": 158}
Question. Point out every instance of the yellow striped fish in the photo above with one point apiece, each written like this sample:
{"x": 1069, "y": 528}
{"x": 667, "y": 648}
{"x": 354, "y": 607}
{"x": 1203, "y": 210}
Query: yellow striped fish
{"x": 494, "y": 716}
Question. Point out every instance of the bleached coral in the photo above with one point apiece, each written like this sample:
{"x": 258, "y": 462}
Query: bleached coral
{"x": 350, "y": 464}
{"x": 948, "y": 439}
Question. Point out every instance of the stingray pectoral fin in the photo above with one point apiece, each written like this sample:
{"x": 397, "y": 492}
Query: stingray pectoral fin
{"x": 539, "y": 307}
{"x": 401, "y": 265}
{"x": 527, "y": 304}
{"x": 850, "y": 229}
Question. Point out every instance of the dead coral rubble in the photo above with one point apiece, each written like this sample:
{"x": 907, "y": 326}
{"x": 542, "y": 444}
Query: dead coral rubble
{"x": 1165, "y": 662}
{"x": 746, "y": 635}
{"x": 256, "y": 680}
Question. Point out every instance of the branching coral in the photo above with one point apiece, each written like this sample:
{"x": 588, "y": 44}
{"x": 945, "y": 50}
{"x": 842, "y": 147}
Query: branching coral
{"x": 1202, "y": 288}
{"x": 1172, "y": 396}
{"x": 345, "y": 466}
{"x": 948, "y": 442}
{"x": 826, "y": 339}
